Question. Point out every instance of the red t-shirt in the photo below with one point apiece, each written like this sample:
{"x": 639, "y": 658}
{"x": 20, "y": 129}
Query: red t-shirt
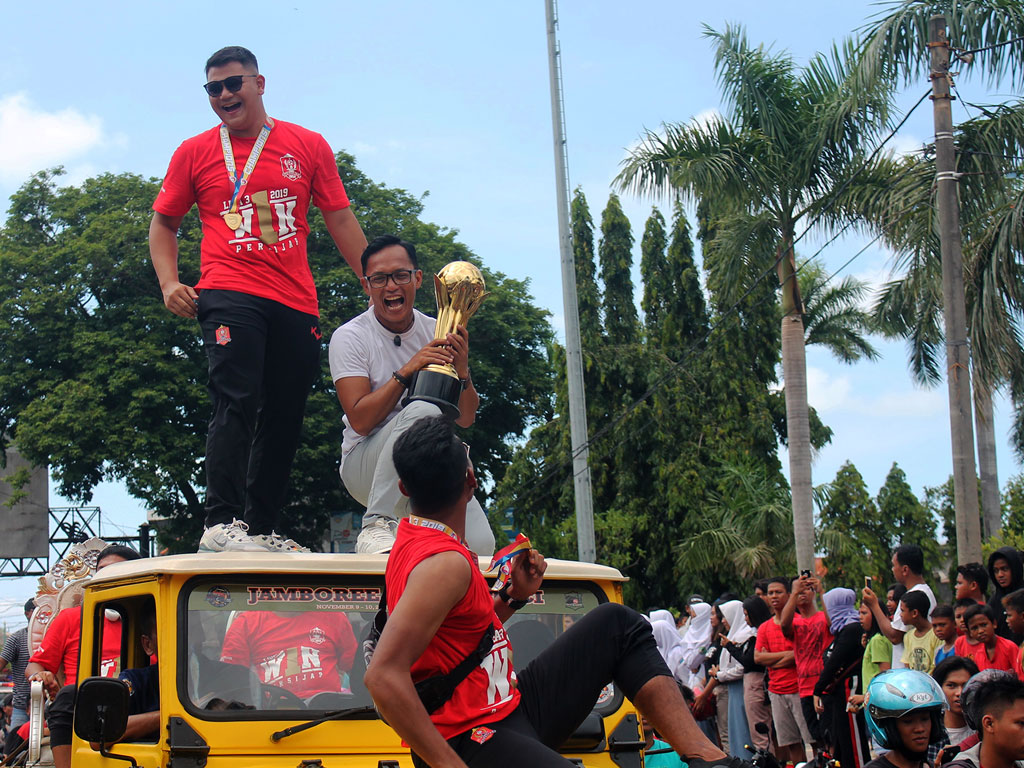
{"x": 771, "y": 639}
{"x": 489, "y": 692}
{"x": 305, "y": 652}
{"x": 810, "y": 639}
{"x": 59, "y": 649}
{"x": 296, "y": 165}
{"x": 1007, "y": 655}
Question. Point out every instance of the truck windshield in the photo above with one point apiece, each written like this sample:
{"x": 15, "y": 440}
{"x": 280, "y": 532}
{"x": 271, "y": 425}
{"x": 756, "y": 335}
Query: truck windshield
{"x": 264, "y": 644}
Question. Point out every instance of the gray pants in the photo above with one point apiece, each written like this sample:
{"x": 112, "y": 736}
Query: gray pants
{"x": 369, "y": 475}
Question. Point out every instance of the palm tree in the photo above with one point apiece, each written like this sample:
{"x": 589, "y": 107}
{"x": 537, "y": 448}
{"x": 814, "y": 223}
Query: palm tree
{"x": 784, "y": 157}
{"x": 834, "y": 315}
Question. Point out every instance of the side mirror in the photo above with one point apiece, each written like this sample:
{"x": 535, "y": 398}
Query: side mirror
{"x": 101, "y": 712}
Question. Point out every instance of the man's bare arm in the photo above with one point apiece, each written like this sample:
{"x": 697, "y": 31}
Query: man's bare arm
{"x": 433, "y": 589}
{"x": 768, "y": 658}
{"x": 348, "y": 235}
{"x": 885, "y": 626}
{"x": 163, "y": 250}
{"x": 788, "y": 660}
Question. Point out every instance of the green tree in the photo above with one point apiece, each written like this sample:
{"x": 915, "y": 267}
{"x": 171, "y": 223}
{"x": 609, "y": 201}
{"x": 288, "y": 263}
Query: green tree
{"x": 854, "y": 537}
{"x": 588, "y": 295}
{"x": 686, "y": 313}
{"x": 100, "y": 382}
{"x": 783, "y": 157}
{"x": 1013, "y": 505}
{"x": 909, "y": 521}
{"x": 657, "y": 279}
{"x": 615, "y": 253}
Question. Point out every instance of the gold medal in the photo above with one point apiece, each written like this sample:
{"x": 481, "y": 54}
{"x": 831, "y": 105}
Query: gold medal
{"x": 233, "y": 219}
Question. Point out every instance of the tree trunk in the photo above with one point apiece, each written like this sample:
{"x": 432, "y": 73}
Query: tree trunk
{"x": 984, "y": 425}
{"x": 798, "y": 425}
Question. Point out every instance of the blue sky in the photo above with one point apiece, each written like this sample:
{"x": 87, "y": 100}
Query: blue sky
{"x": 451, "y": 98}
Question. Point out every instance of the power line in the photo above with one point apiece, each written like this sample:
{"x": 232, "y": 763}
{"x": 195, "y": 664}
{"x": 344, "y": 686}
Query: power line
{"x": 961, "y": 53}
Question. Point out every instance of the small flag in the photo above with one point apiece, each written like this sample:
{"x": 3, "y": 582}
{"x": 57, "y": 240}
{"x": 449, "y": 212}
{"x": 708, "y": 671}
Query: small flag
{"x": 503, "y": 558}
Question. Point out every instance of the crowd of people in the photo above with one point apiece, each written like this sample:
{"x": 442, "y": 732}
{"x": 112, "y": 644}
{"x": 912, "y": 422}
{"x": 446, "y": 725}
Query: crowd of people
{"x": 787, "y": 669}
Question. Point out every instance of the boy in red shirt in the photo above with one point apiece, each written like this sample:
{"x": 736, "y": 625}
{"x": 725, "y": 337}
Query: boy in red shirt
{"x": 991, "y": 651}
{"x": 809, "y": 629}
{"x": 774, "y": 651}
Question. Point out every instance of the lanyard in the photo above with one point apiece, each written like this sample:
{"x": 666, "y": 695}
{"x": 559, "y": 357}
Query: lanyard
{"x": 232, "y": 217}
{"x": 426, "y": 522}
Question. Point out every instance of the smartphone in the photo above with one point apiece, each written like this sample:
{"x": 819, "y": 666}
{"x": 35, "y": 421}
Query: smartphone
{"x": 805, "y": 573}
{"x": 867, "y": 582}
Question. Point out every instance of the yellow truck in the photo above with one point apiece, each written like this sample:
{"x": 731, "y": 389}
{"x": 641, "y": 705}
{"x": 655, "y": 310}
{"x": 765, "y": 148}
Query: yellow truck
{"x": 259, "y": 662}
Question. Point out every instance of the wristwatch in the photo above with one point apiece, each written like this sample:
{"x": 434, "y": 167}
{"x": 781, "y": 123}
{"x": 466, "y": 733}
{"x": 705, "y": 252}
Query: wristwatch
{"x": 506, "y": 598}
{"x": 404, "y": 381}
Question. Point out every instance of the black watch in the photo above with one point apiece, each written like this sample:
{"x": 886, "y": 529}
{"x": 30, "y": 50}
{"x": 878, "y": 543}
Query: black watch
{"x": 506, "y": 598}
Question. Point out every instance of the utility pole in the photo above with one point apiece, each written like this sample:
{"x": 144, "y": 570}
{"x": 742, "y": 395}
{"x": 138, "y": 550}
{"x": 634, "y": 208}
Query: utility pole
{"x": 573, "y": 349}
{"x": 958, "y": 358}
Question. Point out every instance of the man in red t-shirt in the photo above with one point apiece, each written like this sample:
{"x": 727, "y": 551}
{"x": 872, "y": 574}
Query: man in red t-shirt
{"x": 806, "y": 625}
{"x": 303, "y": 652}
{"x": 253, "y": 179}
{"x": 439, "y": 608}
{"x": 774, "y": 651}
{"x": 59, "y": 651}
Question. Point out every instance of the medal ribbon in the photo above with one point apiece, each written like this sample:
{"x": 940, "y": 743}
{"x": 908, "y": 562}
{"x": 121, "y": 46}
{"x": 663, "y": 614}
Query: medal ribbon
{"x": 240, "y": 180}
{"x": 503, "y": 558}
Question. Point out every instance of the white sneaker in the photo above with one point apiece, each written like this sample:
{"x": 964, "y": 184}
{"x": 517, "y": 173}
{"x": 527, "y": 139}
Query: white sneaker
{"x": 377, "y": 538}
{"x": 275, "y": 543}
{"x": 232, "y": 537}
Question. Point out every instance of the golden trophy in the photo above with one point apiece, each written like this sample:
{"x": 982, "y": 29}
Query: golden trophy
{"x": 459, "y": 290}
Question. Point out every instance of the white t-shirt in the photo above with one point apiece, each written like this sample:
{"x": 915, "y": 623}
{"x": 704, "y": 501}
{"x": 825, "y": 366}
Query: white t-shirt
{"x": 897, "y": 623}
{"x": 364, "y": 347}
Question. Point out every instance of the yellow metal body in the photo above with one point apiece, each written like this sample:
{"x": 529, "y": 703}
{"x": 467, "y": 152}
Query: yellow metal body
{"x": 243, "y": 739}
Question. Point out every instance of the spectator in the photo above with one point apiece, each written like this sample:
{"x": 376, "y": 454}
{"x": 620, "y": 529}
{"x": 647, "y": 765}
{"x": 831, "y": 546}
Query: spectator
{"x": 730, "y": 674}
{"x": 908, "y": 569}
{"x": 904, "y": 716}
{"x": 919, "y": 642}
{"x": 59, "y": 650}
{"x": 761, "y": 589}
{"x": 696, "y": 640}
{"x": 16, "y": 654}
{"x": 893, "y": 594}
{"x": 671, "y": 648}
{"x": 958, "y": 614}
{"x": 1014, "y": 605}
{"x": 842, "y": 729}
{"x": 951, "y": 675}
{"x": 755, "y": 701}
{"x": 802, "y": 621}
{"x": 991, "y": 651}
{"x": 774, "y": 651}
{"x": 712, "y": 658}
{"x": 144, "y": 686}
{"x": 944, "y": 627}
{"x": 877, "y": 654}
{"x": 995, "y": 708}
{"x": 1007, "y": 572}
{"x": 971, "y": 581}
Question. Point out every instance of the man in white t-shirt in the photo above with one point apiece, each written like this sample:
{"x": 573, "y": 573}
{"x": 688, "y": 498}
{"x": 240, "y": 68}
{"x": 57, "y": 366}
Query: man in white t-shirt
{"x": 908, "y": 570}
{"x": 373, "y": 358}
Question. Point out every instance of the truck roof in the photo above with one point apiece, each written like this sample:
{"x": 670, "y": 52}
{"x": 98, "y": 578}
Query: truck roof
{"x": 302, "y": 562}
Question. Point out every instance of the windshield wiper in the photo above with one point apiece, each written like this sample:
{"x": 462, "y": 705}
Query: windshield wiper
{"x": 339, "y": 714}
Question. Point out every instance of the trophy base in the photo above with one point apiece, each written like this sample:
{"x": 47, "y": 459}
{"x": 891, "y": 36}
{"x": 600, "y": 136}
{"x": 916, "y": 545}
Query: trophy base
{"x": 438, "y": 388}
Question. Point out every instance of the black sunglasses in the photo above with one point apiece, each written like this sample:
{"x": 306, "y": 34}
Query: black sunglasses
{"x": 233, "y": 84}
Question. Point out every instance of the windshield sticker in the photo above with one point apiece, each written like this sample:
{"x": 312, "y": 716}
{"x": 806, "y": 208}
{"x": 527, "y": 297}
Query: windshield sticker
{"x": 259, "y": 595}
{"x": 573, "y": 601}
{"x": 219, "y": 597}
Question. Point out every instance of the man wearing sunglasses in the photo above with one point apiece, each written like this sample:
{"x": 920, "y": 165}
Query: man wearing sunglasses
{"x": 252, "y": 178}
{"x": 373, "y": 358}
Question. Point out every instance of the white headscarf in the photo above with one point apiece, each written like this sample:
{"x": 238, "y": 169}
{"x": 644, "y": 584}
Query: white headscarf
{"x": 698, "y": 636}
{"x": 670, "y": 648}
{"x": 662, "y": 615}
{"x": 739, "y": 630}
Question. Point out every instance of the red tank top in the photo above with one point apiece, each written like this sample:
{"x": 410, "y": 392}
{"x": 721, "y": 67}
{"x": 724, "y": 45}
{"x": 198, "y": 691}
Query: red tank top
{"x": 489, "y": 692}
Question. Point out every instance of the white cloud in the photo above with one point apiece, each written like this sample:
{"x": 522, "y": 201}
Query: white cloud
{"x": 703, "y": 119}
{"x": 32, "y": 139}
{"x": 825, "y": 392}
{"x": 906, "y": 144}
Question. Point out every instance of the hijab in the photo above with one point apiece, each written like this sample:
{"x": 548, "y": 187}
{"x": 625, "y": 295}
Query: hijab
{"x": 841, "y": 607}
{"x": 669, "y": 645}
{"x": 698, "y": 631}
{"x": 662, "y": 615}
{"x": 739, "y": 630}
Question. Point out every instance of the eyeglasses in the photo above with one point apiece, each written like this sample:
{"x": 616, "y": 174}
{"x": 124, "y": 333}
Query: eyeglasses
{"x": 233, "y": 84}
{"x": 399, "y": 277}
